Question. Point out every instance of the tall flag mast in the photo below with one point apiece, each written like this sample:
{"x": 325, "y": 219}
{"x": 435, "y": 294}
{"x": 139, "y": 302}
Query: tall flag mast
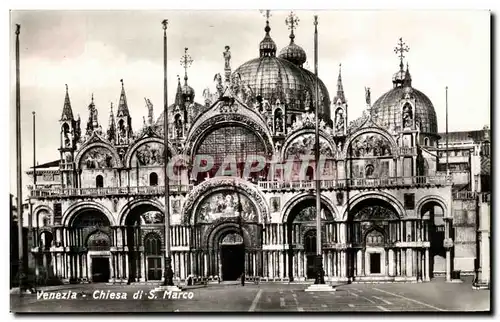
{"x": 168, "y": 275}
{"x": 19, "y": 170}
{"x": 319, "y": 258}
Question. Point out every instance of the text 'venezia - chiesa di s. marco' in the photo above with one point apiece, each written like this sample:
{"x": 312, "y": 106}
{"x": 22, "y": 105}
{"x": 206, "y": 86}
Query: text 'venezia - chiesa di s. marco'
{"x": 389, "y": 210}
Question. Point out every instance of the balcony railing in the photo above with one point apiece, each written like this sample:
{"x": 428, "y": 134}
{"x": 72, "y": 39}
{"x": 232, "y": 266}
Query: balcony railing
{"x": 407, "y": 150}
{"x": 464, "y": 195}
{"x": 357, "y": 183}
{"x": 74, "y": 192}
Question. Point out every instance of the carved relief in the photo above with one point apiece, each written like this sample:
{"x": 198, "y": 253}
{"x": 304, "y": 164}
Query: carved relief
{"x": 97, "y": 158}
{"x": 275, "y": 204}
{"x": 152, "y": 217}
{"x": 309, "y": 214}
{"x": 232, "y": 239}
{"x": 149, "y": 154}
{"x": 368, "y": 145}
{"x": 375, "y": 213}
{"x": 226, "y": 204}
{"x": 304, "y": 145}
{"x": 176, "y": 206}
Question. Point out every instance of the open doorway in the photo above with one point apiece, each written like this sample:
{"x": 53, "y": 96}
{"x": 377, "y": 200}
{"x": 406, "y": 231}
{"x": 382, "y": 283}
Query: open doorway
{"x": 100, "y": 269}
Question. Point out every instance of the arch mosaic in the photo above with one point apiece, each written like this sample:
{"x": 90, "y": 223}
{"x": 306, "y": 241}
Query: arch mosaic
{"x": 97, "y": 155}
{"x": 73, "y": 211}
{"x": 363, "y": 137}
{"x": 154, "y": 143}
{"x": 292, "y": 203}
{"x": 131, "y": 205}
{"x": 302, "y": 143}
{"x": 198, "y": 134}
{"x": 380, "y": 195}
{"x": 98, "y": 240}
{"x": 197, "y": 196}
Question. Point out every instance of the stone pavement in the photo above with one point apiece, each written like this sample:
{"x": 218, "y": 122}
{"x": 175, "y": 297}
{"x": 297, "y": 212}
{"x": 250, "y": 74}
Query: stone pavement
{"x": 435, "y": 296}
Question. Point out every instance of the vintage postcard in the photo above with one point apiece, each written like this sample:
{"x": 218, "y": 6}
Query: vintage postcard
{"x": 250, "y": 161}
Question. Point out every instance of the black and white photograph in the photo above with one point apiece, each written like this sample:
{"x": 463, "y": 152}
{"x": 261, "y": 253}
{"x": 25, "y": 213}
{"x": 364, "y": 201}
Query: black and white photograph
{"x": 250, "y": 161}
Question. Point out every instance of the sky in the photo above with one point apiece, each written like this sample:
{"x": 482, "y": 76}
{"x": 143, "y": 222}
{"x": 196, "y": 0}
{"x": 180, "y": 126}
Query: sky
{"x": 92, "y": 50}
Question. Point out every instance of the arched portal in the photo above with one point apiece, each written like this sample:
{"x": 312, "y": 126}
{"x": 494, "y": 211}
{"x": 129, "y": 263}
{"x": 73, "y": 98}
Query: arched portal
{"x": 374, "y": 228}
{"x": 433, "y": 215}
{"x": 232, "y": 255}
{"x": 300, "y": 237}
{"x": 143, "y": 220}
{"x": 89, "y": 234}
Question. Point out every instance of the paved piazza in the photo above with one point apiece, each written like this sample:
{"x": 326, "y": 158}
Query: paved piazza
{"x": 434, "y": 296}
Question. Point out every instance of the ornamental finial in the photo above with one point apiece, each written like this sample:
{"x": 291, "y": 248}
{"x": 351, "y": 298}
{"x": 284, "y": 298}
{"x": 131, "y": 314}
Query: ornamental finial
{"x": 165, "y": 24}
{"x": 292, "y": 21}
{"x": 186, "y": 62}
{"x": 18, "y": 29}
{"x": 400, "y": 50}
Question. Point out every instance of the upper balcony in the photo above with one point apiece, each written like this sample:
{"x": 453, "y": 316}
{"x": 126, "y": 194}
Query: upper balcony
{"x": 388, "y": 182}
{"x": 108, "y": 191}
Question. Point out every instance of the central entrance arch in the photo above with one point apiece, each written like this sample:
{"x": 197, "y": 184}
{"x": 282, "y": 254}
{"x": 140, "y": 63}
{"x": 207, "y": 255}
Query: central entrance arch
{"x": 232, "y": 254}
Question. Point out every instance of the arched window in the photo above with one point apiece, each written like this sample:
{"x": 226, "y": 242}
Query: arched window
{"x": 153, "y": 179}
{"x": 99, "y": 181}
{"x": 152, "y": 245}
{"x": 309, "y": 173}
{"x": 426, "y": 141}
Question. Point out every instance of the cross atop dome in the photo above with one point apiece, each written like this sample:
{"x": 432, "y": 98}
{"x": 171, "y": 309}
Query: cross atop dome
{"x": 401, "y": 48}
{"x": 186, "y": 62}
{"x": 292, "y": 21}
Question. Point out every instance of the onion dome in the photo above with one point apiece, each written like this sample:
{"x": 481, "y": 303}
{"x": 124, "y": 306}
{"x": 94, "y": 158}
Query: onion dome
{"x": 267, "y": 45}
{"x": 272, "y": 78}
{"x": 387, "y": 110}
{"x": 293, "y": 53}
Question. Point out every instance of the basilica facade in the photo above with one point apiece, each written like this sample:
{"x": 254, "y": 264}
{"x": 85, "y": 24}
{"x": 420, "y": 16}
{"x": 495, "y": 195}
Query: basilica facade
{"x": 98, "y": 212}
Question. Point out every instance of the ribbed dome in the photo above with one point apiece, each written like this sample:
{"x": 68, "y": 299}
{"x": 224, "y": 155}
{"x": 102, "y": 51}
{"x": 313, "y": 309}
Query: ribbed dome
{"x": 386, "y": 111}
{"x": 275, "y": 78}
{"x": 294, "y": 54}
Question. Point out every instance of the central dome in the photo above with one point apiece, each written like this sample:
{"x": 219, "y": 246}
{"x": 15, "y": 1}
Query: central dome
{"x": 274, "y": 78}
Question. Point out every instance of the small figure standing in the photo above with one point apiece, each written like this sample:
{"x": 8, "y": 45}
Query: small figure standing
{"x": 227, "y": 58}
{"x": 243, "y": 279}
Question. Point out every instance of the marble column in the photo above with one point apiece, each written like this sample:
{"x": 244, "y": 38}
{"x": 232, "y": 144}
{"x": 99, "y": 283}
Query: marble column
{"x": 427, "y": 277}
{"x": 112, "y": 267}
{"x": 359, "y": 261}
{"x": 126, "y": 266}
{"x": 142, "y": 278}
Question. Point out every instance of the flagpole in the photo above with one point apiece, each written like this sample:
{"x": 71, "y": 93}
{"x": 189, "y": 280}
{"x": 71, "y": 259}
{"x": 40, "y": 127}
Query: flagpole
{"x": 19, "y": 170}
{"x": 30, "y": 219}
{"x": 447, "y": 164}
{"x": 319, "y": 258}
{"x": 168, "y": 281}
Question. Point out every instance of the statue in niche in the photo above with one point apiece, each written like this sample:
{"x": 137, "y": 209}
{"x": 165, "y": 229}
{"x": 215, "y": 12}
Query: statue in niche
{"x": 407, "y": 116}
{"x": 339, "y": 121}
{"x": 307, "y": 102}
{"x": 178, "y": 127}
{"x": 369, "y": 170}
{"x": 339, "y": 147}
{"x": 227, "y": 58}
{"x": 278, "y": 121}
{"x": 218, "y": 83}
{"x": 68, "y": 157}
{"x": 67, "y": 136}
{"x": 121, "y": 153}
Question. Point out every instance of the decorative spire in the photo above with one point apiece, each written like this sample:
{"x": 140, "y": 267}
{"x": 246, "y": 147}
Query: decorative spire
{"x": 400, "y": 50}
{"x": 92, "y": 123}
{"x": 267, "y": 45}
{"x": 67, "y": 113}
{"x": 292, "y": 21}
{"x": 178, "y": 94}
{"x": 186, "y": 62}
{"x": 112, "y": 126}
{"x": 340, "y": 88}
{"x": 122, "y": 105}
{"x": 407, "y": 79}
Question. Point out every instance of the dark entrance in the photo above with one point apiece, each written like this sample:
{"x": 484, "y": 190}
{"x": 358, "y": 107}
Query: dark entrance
{"x": 375, "y": 263}
{"x": 233, "y": 261}
{"x": 310, "y": 250}
{"x": 310, "y": 266}
{"x": 154, "y": 268}
{"x": 100, "y": 269}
